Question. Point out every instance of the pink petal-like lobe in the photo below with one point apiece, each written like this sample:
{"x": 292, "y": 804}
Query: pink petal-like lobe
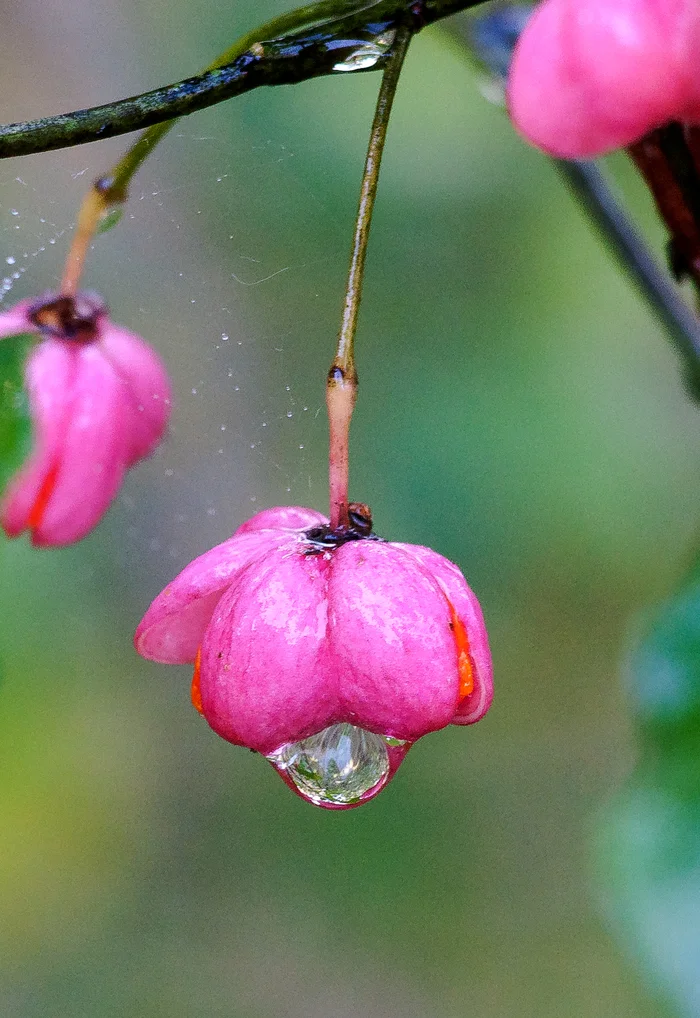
{"x": 93, "y": 452}
{"x": 172, "y": 629}
{"x": 266, "y": 678}
{"x": 473, "y": 707}
{"x": 286, "y": 517}
{"x": 147, "y": 386}
{"x": 15, "y": 321}
{"x": 391, "y": 641}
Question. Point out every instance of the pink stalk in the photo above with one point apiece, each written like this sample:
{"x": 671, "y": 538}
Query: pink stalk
{"x": 340, "y": 400}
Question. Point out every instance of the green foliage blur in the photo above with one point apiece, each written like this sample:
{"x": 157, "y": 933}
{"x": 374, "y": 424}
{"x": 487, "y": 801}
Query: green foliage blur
{"x": 649, "y": 834}
{"x": 519, "y": 411}
{"x": 15, "y": 424}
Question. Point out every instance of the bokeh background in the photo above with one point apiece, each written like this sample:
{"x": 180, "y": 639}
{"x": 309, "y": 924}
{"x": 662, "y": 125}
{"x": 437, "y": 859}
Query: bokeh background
{"x": 520, "y": 412}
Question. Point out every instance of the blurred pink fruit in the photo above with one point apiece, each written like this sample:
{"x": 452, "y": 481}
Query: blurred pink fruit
{"x": 589, "y": 76}
{"x": 100, "y": 401}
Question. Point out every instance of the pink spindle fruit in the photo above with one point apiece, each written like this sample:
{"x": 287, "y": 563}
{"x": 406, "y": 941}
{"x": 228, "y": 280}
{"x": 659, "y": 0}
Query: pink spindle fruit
{"x": 589, "y": 76}
{"x": 329, "y": 652}
{"x": 99, "y": 399}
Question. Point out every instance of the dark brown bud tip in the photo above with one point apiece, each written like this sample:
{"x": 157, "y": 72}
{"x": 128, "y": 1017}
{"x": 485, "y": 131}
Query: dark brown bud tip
{"x": 105, "y": 186}
{"x": 73, "y": 318}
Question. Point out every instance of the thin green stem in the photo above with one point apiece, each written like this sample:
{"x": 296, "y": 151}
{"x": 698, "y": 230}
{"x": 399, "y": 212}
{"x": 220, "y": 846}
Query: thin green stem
{"x": 341, "y": 388}
{"x": 345, "y": 358}
{"x": 311, "y": 42}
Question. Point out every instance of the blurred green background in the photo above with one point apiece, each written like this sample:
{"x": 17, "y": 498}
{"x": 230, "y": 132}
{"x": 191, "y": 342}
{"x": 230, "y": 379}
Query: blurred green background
{"x": 520, "y": 412}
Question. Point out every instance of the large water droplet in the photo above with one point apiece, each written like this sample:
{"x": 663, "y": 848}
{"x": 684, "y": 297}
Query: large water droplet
{"x": 367, "y": 55}
{"x": 337, "y": 766}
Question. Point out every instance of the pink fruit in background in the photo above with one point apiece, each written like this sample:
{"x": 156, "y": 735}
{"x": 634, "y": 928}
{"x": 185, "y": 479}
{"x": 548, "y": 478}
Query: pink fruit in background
{"x": 99, "y": 399}
{"x": 589, "y": 76}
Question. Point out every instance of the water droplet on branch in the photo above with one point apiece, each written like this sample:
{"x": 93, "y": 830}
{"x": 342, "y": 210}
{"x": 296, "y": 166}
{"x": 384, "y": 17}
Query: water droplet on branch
{"x": 367, "y": 55}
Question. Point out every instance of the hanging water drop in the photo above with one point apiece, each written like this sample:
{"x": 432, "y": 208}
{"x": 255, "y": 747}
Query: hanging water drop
{"x": 337, "y": 766}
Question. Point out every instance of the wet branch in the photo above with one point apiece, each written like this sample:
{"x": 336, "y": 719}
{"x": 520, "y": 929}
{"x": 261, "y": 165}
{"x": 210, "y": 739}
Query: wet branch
{"x": 335, "y": 37}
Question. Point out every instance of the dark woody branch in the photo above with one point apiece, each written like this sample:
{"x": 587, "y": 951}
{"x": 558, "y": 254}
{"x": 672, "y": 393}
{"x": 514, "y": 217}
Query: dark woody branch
{"x": 331, "y": 38}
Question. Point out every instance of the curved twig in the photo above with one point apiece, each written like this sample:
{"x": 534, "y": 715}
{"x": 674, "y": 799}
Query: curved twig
{"x": 294, "y": 57}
